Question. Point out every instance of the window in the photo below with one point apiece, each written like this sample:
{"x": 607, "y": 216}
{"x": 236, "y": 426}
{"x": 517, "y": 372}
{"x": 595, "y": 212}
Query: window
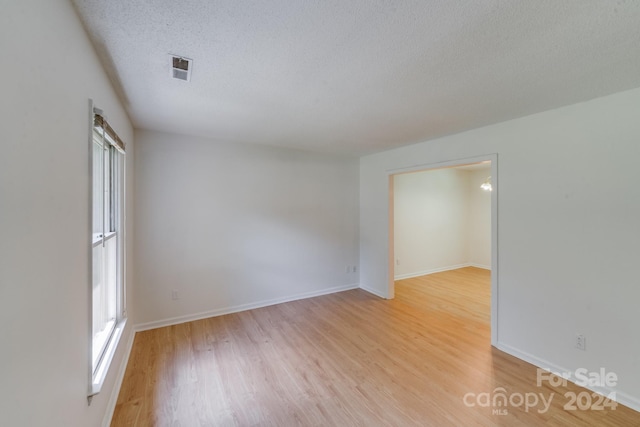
{"x": 108, "y": 313}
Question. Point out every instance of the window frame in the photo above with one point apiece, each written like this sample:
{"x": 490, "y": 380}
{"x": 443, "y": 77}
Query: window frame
{"x": 112, "y": 215}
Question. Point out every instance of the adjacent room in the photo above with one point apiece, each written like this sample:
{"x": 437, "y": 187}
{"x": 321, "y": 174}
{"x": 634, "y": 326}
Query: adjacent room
{"x": 442, "y": 223}
{"x": 221, "y": 212}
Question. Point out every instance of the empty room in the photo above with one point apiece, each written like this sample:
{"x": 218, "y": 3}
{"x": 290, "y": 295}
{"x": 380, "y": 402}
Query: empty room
{"x": 210, "y": 213}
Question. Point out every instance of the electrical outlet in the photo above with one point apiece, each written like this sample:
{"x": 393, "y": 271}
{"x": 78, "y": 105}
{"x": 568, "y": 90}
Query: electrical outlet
{"x": 175, "y": 295}
{"x": 347, "y": 269}
{"x": 581, "y": 342}
{"x": 355, "y": 268}
{"x": 397, "y": 261}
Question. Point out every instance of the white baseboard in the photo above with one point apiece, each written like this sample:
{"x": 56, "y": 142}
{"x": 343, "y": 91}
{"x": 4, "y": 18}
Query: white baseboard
{"x": 439, "y": 270}
{"x": 115, "y": 392}
{"x": 374, "y": 292}
{"x": 242, "y": 307}
{"x": 430, "y": 271}
{"x": 484, "y": 267}
{"x": 620, "y": 397}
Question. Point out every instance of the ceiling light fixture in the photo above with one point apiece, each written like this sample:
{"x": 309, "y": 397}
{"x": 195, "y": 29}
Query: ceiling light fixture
{"x": 486, "y": 185}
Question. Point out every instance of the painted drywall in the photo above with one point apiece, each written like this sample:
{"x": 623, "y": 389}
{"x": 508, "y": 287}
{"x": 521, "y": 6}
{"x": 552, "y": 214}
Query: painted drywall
{"x": 232, "y": 226}
{"x": 431, "y": 210}
{"x": 50, "y": 71}
{"x": 479, "y": 220}
{"x": 567, "y": 240}
{"x": 442, "y": 221}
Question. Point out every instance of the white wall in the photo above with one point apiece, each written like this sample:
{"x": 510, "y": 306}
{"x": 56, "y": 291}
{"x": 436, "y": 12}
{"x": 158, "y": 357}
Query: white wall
{"x": 430, "y": 221}
{"x": 232, "y": 226}
{"x": 49, "y": 73}
{"x": 442, "y": 221}
{"x": 568, "y": 230}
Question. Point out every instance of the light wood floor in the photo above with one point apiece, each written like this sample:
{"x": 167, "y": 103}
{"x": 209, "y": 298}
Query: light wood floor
{"x": 340, "y": 360}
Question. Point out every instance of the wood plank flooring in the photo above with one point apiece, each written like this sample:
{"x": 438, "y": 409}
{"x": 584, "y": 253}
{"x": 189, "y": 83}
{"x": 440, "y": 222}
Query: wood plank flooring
{"x": 346, "y": 359}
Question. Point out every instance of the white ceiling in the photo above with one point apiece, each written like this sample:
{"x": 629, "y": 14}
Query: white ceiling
{"x": 357, "y": 76}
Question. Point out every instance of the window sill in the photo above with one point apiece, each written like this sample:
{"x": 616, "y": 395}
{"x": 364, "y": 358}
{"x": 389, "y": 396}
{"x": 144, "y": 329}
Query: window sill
{"x": 103, "y": 367}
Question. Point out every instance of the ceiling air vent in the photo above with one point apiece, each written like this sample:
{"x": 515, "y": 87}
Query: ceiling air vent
{"x": 181, "y": 68}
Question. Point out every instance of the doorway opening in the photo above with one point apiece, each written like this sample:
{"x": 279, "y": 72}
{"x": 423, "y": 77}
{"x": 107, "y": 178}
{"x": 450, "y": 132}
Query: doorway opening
{"x": 443, "y": 216}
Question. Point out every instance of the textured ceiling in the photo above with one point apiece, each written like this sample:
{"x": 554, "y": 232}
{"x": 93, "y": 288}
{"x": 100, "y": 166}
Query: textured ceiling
{"x": 357, "y": 76}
